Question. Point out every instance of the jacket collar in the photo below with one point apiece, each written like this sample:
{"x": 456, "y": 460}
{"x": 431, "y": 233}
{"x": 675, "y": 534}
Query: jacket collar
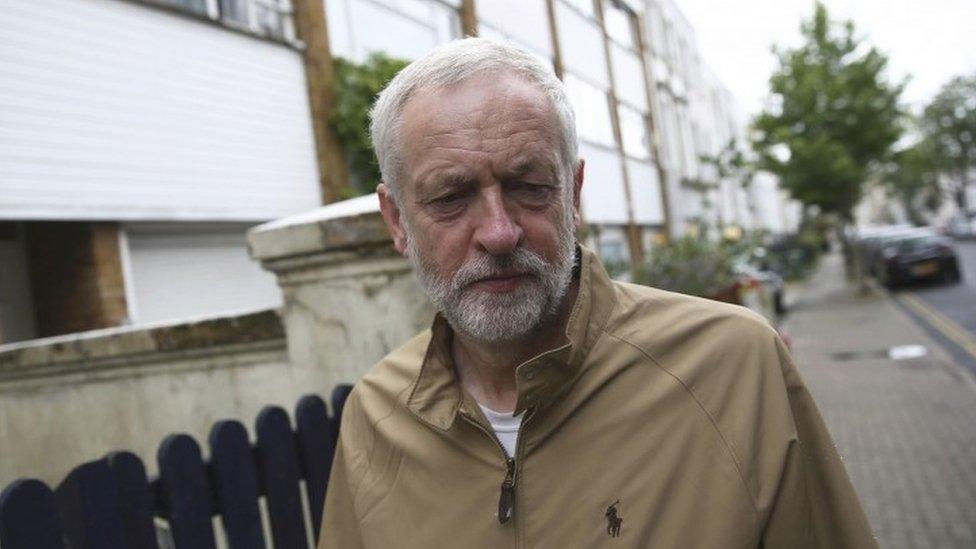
{"x": 437, "y": 397}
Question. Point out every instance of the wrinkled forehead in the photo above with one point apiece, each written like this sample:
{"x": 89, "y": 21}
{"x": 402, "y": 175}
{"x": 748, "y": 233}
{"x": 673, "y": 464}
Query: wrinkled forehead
{"x": 496, "y": 114}
{"x": 497, "y": 87}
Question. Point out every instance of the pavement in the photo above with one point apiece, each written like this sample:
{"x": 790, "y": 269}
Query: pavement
{"x": 906, "y": 429}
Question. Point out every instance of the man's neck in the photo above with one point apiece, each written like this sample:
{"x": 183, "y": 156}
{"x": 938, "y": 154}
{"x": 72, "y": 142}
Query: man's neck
{"x": 487, "y": 370}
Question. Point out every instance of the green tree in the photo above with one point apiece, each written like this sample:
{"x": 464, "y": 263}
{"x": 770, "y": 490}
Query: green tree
{"x": 356, "y": 87}
{"x": 913, "y": 178}
{"x": 949, "y": 123}
{"x": 729, "y": 163}
{"x": 831, "y": 119}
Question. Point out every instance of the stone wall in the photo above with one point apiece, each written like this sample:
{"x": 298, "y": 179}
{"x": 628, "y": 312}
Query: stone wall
{"x": 349, "y": 299}
{"x": 74, "y": 398}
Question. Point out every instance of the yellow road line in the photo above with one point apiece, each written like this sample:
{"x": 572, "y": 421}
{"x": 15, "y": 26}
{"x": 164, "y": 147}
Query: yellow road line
{"x": 940, "y": 322}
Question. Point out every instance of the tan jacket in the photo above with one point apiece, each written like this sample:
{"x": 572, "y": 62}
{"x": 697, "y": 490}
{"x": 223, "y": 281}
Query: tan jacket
{"x": 668, "y": 421}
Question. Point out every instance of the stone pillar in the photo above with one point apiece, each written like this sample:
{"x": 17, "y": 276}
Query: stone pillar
{"x": 349, "y": 297}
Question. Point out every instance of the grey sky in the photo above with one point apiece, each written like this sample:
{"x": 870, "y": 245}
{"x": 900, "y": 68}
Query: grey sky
{"x": 932, "y": 40}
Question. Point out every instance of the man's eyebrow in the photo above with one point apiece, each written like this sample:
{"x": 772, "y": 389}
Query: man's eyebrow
{"x": 531, "y": 165}
{"x": 433, "y": 183}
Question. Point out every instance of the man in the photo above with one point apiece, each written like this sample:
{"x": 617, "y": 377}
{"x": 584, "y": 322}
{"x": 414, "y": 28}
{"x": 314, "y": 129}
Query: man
{"x": 549, "y": 406}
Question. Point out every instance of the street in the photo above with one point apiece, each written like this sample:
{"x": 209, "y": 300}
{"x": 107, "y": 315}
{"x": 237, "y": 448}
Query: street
{"x": 903, "y": 424}
{"x": 948, "y": 311}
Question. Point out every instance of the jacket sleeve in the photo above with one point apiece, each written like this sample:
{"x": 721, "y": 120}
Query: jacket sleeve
{"x": 816, "y": 505}
{"x": 340, "y": 524}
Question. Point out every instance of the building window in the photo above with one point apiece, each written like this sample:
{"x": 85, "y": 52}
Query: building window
{"x": 604, "y": 195}
{"x": 582, "y": 45}
{"x": 612, "y": 243}
{"x": 672, "y": 55}
{"x": 592, "y": 110}
{"x": 271, "y": 18}
{"x": 486, "y": 30}
{"x": 621, "y": 24}
{"x": 403, "y": 28}
{"x": 418, "y": 9}
{"x": 268, "y": 20}
{"x": 194, "y": 6}
{"x": 585, "y": 7}
{"x": 655, "y": 30}
{"x": 517, "y": 21}
{"x": 633, "y": 132}
{"x": 234, "y": 11}
{"x": 628, "y": 76}
{"x": 645, "y": 192}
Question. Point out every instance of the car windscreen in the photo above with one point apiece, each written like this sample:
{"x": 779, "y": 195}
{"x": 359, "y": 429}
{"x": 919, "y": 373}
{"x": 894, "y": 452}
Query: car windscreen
{"x": 913, "y": 244}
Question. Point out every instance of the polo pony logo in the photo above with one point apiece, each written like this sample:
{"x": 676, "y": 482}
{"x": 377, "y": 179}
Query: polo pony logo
{"x": 613, "y": 520}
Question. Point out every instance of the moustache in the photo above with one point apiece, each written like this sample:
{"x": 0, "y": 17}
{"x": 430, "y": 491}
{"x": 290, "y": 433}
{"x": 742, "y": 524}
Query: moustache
{"x": 521, "y": 262}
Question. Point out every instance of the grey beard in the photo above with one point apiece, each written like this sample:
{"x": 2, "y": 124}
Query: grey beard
{"x": 491, "y": 317}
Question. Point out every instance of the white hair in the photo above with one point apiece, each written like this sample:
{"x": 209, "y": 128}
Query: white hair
{"x": 451, "y": 64}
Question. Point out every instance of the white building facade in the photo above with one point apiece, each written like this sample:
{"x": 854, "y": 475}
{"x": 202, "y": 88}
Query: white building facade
{"x": 155, "y": 132}
{"x": 177, "y": 125}
{"x": 700, "y": 121}
{"x": 648, "y": 109}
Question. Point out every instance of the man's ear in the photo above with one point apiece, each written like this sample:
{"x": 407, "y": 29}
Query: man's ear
{"x": 393, "y": 217}
{"x": 577, "y": 188}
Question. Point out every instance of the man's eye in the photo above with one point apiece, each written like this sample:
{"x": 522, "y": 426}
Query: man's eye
{"x": 532, "y": 192}
{"x": 447, "y": 202}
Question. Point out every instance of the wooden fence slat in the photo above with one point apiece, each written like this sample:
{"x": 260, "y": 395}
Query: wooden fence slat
{"x": 316, "y": 445}
{"x": 278, "y": 459}
{"x": 110, "y": 503}
{"x": 339, "y": 396}
{"x": 29, "y": 517}
{"x": 235, "y": 480}
{"x": 135, "y": 502}
{"x": 88, "y": 501}
{"x": 186, "y": 492}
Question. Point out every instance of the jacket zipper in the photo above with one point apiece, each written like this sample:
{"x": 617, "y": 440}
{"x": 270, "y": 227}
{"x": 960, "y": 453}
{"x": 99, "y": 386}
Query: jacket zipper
{"x": 506, "y": 497}
{"x": 506, "y": 500}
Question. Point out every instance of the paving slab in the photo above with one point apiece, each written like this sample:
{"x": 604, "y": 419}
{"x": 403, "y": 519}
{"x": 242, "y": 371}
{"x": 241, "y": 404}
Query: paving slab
{"x": 906, "y": 429}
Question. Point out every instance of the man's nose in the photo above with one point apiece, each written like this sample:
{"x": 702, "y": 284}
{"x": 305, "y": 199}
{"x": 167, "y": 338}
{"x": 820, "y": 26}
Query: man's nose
{"x": 497, "y": 233}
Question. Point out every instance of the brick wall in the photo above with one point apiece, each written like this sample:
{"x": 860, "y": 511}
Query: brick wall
{"x": 76, "y": 276}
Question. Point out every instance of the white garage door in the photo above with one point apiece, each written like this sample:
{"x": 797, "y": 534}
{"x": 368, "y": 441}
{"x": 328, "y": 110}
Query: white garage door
{"x": 177, "y": 273}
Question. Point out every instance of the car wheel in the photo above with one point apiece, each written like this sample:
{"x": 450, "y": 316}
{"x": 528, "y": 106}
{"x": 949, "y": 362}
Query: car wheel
{"x": 885, "y": 278}
{"x": 952, "y": 274}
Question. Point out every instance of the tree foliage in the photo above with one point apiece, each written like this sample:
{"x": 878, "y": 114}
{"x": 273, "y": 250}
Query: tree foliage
{"x": 913, "y": 178}
{"x": 356, "y": 88}
{"x": 949, "y": 124}
{"x": 832, "y": 117}
{"x": 692, "y": 265}
{"x": 731, "y": 162}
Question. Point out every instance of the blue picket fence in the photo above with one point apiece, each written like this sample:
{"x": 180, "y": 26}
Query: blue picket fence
{"x": 110, "y": 502}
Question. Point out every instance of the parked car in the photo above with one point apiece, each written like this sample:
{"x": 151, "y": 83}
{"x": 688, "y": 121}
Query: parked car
{"x": 871, "y": 241}
{"x": 962, "y": 226}
{"x": 916, "y": 256}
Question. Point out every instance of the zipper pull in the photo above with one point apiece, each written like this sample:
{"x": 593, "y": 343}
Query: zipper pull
{"x": 506, "y": 501}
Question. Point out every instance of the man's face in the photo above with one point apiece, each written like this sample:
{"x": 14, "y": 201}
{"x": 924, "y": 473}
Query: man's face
{"x": 484, "y": 214}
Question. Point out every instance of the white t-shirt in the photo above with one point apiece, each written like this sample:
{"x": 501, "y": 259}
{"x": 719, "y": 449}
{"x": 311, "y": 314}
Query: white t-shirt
{"x": 506, "y": 427}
